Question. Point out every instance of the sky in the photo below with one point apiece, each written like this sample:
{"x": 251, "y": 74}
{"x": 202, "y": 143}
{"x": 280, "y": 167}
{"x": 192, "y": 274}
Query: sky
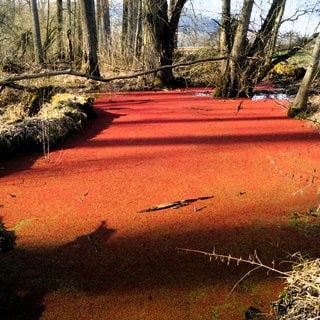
{"x": 305, "y": 25}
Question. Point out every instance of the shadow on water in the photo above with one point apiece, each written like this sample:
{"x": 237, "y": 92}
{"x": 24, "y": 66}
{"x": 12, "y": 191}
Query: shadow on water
{"x": 94, "y": 265}
{"x": 26, "y": 275}
{"x": 90, "y": 129}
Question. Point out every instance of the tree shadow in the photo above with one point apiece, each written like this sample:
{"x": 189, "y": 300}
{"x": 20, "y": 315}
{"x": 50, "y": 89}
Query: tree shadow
{"x": 12, "y": 163}
{"x": 28, "y": 274}
{"x": 94, "y": 265}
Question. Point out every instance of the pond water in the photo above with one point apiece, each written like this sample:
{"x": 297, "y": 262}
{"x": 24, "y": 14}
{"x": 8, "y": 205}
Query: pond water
{"x": 272, "y": 95}
{"x": 257, "y": 96}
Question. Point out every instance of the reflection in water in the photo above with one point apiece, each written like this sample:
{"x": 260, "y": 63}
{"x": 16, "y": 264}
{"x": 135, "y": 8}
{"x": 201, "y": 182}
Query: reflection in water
{"x": 257, "y": 96}
{"x": 272, "y": 95}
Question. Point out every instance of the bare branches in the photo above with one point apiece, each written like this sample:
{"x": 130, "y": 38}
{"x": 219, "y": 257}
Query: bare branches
{"x": 253, "y": 260}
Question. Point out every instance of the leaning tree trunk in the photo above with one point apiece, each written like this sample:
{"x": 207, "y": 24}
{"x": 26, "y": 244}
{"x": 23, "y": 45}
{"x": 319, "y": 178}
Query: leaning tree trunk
{"x": 300, "y": 102}
{"x": 90, "y": 33}
{"x": 262, "y": 50}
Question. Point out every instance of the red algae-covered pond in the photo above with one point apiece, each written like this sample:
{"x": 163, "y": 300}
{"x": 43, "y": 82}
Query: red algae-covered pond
{"x": 84, "y": 252}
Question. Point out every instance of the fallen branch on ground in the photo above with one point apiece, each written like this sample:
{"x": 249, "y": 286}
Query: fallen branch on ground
{"x": 174, "y": 204}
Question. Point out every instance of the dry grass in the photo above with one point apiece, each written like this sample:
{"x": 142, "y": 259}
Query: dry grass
{"x": 314, "y": 118}
{"x": 55, "y": 121}
{"x": 301, "y": 296}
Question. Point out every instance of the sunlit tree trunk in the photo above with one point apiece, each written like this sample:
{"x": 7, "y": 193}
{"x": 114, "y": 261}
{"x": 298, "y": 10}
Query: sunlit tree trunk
{"x": 249, "y": 61}
{"x": 301, "y": 99}
{"x": 225, "y": 27}
{"x": 239, "y": 48}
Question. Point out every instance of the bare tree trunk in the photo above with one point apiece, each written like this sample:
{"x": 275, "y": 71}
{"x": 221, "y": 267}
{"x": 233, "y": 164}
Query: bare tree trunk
{"x": 70, "y": 31}
{"x": 159, "y": 34}
{"x": 60, "y": 50}
{"x": 125, "y": 28}
{"x": 238, "y": 51}
{"x": 103, "y": 26}
{"x": 130, "y": 24}
{"x": 300, "y": 102}
{"x": 90, "y": 34}
{"x": 249, "y": 61}
{"x": 79, "y": 47}
{"x": 225, "y": 28}
{"x": 138, "y": 34}
{"x": 36, "y": 32}
{"x": 99, "y": 19}
{"x": 106, "y": 26}
{"x": 262, "y": 51}
{"x": 149, "y": 42}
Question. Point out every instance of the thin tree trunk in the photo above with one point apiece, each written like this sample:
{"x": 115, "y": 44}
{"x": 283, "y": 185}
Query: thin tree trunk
{"x": 36, "y": 32}
{"x": 301, "y": 99}
{"x": 124, "y": 31}
{"x": 106, "y": 26}
{"x": 138, "y": 34}
{"x": 70, "y": 31}
{"x": 60, "y": 53}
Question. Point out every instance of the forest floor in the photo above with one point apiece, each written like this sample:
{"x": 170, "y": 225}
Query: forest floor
{"x": 85, "y": 252}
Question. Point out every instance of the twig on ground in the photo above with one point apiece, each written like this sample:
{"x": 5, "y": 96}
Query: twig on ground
{"x": 174, "y": 204}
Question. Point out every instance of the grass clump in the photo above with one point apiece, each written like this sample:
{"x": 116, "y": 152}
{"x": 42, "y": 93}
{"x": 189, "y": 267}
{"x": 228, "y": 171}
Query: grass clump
{"x": 56, "y": 119}
{"x": 300, "y": 298}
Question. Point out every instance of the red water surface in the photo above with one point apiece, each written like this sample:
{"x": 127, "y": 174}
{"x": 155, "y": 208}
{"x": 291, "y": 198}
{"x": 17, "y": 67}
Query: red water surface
{"x": 83, "y": 250}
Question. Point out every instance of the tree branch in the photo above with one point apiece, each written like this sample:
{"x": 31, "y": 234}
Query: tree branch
{"x": 10, "y": 81}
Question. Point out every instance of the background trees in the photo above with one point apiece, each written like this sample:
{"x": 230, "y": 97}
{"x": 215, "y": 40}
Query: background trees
{"x": 132, "y": 35}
